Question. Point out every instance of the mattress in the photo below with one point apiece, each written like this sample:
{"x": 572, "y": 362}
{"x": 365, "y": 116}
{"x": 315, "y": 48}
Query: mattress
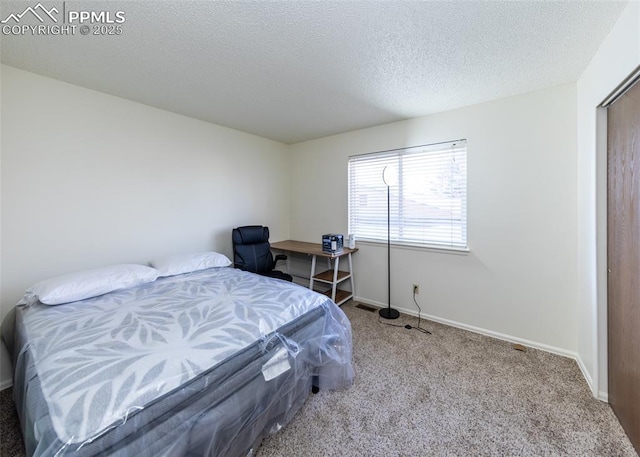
{"x": 205, "y": 363}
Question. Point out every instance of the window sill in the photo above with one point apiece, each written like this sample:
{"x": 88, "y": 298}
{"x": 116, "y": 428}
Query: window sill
{"x": 417, "y": 247}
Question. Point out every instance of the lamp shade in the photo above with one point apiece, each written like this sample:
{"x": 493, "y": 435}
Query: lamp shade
{"x": 390, "y": 175}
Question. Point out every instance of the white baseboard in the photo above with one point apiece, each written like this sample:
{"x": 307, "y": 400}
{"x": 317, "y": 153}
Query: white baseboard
{"x": 587, "y": 377}
{"x": 482, "y": 331}
{"x": 501, "y": 336}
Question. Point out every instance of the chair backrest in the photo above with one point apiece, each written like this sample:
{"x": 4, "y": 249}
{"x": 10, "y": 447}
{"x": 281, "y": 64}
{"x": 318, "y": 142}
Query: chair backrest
{"x": 251, "y": 249}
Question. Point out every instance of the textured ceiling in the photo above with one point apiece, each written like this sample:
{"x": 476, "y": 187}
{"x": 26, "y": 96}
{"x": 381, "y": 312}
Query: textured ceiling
{"x": 293, "y": 71}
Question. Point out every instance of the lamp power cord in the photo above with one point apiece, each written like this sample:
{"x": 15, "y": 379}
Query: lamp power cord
{"x": 420, "y": 329}
{"x": 408, "y": 326}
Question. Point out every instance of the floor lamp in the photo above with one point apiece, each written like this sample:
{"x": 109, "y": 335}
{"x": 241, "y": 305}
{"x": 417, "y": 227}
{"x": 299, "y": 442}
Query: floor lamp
{"x": 388, "y": 312}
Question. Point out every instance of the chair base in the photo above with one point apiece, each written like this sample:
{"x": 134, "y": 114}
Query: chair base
{"x": 279, "y": 275}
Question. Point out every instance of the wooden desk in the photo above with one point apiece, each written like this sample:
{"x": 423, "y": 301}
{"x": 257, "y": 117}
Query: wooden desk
{"x": 332, "y": 276}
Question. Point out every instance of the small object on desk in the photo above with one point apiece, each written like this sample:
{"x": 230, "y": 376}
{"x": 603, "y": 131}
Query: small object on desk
{"x": 332, "y": 243}
{"x": 352, "y": 241}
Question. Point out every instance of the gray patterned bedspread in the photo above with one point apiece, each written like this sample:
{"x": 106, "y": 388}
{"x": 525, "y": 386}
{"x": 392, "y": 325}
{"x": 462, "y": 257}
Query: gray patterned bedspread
{"x": 100, "y": 360}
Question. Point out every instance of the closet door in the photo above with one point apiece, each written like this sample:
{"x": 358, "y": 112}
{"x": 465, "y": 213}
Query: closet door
{"x": 623, "y": 246}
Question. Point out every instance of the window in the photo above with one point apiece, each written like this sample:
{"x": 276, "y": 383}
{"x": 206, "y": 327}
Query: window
{"x": 427, "y": 188}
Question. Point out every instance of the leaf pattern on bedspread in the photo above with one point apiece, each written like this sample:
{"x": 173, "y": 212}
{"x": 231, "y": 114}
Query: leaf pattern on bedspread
{"x": 102, "y": 358}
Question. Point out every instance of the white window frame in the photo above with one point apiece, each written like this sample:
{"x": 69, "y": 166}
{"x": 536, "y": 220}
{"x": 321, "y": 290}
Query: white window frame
{"x": 428, "y": 205}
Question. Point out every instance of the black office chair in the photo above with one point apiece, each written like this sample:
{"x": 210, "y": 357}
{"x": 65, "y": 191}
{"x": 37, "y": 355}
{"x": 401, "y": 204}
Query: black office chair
{"x": 252, "y": 252}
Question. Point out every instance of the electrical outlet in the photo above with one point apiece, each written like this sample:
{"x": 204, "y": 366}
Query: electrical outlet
{"x": 416, "y": 289}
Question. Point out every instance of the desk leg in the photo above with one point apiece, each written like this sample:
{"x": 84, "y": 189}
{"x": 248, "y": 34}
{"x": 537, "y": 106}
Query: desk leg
{"x": 336, "y": 264}
{"x": 313, "y": 271}
{"x": 353, "y": 290}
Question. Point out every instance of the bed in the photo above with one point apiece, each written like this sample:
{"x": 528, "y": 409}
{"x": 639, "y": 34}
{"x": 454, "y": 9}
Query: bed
{"x": 204, "y": 363}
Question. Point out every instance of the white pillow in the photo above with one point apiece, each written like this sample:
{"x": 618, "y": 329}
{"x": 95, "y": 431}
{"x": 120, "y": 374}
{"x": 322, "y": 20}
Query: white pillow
{"x": 186, "y": 263}
{"x": 91, "y": 283}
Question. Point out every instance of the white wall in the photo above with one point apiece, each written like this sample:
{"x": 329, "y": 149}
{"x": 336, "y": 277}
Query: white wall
{"x": 519, "y": 280}
{"x": 616, "y": 58}
{"x": 90, "y": 179}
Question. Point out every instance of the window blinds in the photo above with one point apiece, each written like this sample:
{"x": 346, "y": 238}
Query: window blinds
{"x": 428, "y": 195}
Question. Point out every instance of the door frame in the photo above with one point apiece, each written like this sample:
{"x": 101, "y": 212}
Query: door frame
{"x": 600, "y": 382}
{"x": 600, "y": 351}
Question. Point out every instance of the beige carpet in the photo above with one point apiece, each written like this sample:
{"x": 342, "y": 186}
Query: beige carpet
{"x": 453, "y": 393}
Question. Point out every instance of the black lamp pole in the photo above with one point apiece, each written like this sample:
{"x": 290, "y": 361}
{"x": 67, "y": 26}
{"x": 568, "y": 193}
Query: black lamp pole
{"x": 388, "y": 312}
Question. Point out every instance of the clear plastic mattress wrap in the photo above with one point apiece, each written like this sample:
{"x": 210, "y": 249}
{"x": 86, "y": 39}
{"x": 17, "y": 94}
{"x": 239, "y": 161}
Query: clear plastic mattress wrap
{"x": 206, "y": 363}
